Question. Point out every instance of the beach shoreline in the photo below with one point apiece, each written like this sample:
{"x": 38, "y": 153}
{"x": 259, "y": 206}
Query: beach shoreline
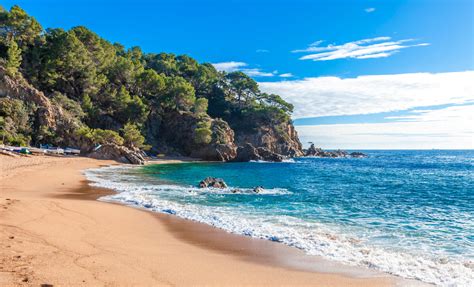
{"x": 55, "y": 232}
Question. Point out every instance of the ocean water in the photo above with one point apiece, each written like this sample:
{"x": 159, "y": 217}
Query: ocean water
{"x": 408, "y": 213}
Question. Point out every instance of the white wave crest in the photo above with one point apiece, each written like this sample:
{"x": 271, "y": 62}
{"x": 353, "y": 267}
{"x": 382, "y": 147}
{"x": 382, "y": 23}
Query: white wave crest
{"x": 314, "y": 238}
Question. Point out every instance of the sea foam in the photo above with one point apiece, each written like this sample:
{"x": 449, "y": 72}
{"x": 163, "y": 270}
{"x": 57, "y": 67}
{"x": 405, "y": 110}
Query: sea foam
{"x": 312, "y": 237}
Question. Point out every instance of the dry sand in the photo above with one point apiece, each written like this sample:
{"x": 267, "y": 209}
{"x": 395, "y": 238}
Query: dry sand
{"x": 54, "y": 232}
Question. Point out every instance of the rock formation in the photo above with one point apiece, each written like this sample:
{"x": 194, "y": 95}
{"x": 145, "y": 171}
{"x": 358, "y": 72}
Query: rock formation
{"x": 118, "y": 153}
{"x": 18, "y": 88}
{"x": 318, "y": 152}
{"x": 212, "y": 182}
{"x": 282, "y": 140}
{"x": 248, "y": 152}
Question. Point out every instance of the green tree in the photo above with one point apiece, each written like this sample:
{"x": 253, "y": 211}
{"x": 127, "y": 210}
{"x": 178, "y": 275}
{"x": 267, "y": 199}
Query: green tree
{"x": 179, "y": 94}
{"x": 162, "y": 63}
{"x": 16, "y": 127}
{"x": 19, "y": 25}
{"x": 203, "y": 133}
{"x": 150, "y": 85}
{"x": 88, "y": 106}
{"x": 244, "y": 87}
{"x": 67, "y": 66}
{"x": 132, "y": 136}
{"x": 100, "y": 136}
{"x": 13, "y": 58}
{"x": 200, "y": 106}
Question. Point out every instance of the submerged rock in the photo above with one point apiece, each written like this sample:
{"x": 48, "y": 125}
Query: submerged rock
{"x": 258, "y": 189}
{"x": 212, "y": 182}
{"x": 358, "y": 154}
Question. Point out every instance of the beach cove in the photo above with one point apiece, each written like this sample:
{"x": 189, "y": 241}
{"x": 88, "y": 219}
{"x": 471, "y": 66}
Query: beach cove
{"x": 53, "y": 233}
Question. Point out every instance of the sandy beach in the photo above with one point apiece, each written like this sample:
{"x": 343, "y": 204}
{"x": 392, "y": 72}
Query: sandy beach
{"x": 53, "y": 231}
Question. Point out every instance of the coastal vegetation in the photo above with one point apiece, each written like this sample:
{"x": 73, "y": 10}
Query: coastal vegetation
{"x": 98, "y": 92}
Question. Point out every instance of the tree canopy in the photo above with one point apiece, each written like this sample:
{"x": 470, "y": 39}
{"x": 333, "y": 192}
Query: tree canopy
{"x": 107, "y": 86}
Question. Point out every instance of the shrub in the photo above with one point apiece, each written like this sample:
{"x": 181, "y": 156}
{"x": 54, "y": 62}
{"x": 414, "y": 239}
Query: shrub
{"x": 203, "y": 133}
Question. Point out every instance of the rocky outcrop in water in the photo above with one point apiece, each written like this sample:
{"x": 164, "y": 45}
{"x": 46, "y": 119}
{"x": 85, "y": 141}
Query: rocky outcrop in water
{"x": 248, "y": 153}
{"x": 268, "y": 155}
{"x": 258, "y": 189}
{"x": 318, "y": 152}
{"x": 212, "y": 182}
{"x": 118, "y": 153}
{"x": 357, "y": 154}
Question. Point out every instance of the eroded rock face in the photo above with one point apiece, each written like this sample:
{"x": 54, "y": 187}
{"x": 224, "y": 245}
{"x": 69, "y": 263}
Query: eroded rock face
{"x": 248, "y": 152}
{"x": 118, "y": 153}
{"x": 18, "y": 88}
{"x": 267, "y": 155}
{"x": 47, "y": 115}
{"x": 283, "y": 141}
{"x": 212, "y": 182}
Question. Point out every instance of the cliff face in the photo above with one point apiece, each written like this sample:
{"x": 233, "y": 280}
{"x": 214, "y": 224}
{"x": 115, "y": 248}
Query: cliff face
{"x": 282, "y": 139}
{"x": 18, "y": 88}
{"x": 47, "y": 117}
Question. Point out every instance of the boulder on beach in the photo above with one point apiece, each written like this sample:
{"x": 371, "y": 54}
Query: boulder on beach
{"x": 212, "y": 182}
{"x": 118, "y": 153}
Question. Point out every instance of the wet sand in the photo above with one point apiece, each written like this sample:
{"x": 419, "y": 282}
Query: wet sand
{"x": 53, "y": 231}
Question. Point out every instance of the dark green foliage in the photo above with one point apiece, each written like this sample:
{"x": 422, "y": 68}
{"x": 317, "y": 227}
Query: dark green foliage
{"x": 200, "y": 106}
{"x": 13, "y": 58}
{"x": 132, "y": 136}
{"x": 179, "y": 94}
{"x": 15, "y": 125}
{"x": 99, "y": 136}
{"x": 203, "y": 133}
{"x": 18, "y": 25}
{"x": 105, "y": 88}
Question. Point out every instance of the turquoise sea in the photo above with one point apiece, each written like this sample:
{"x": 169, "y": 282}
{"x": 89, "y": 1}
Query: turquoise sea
{"x": 408, "y": 213}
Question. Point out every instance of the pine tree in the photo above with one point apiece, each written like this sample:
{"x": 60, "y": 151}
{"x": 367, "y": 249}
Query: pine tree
{"x": 13, "y": 58}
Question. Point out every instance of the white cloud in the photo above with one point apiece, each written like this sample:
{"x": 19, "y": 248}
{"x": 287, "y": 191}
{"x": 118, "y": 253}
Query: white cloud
{"x": 369, "y": 10}
{"x": 333, "y": 96}
{"x": 379, "y": 47}
{"x": 449, "y": 128}
{"x": 229, "y": 66}
{"x": 233, "y": 66}
{"x": 262, "y": 51}
{"x": 286, "y": 75}
{"x": 254, "y": 72}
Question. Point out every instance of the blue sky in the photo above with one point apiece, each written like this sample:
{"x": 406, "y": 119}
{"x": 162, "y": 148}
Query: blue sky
{"x": 372, "y": 63}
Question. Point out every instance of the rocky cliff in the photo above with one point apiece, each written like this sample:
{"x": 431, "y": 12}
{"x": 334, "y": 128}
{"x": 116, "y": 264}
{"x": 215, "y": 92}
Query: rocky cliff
{"x": 18, "y": 88}
{"x": 281, "y": 139}
{"x": 47, "y": 118}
